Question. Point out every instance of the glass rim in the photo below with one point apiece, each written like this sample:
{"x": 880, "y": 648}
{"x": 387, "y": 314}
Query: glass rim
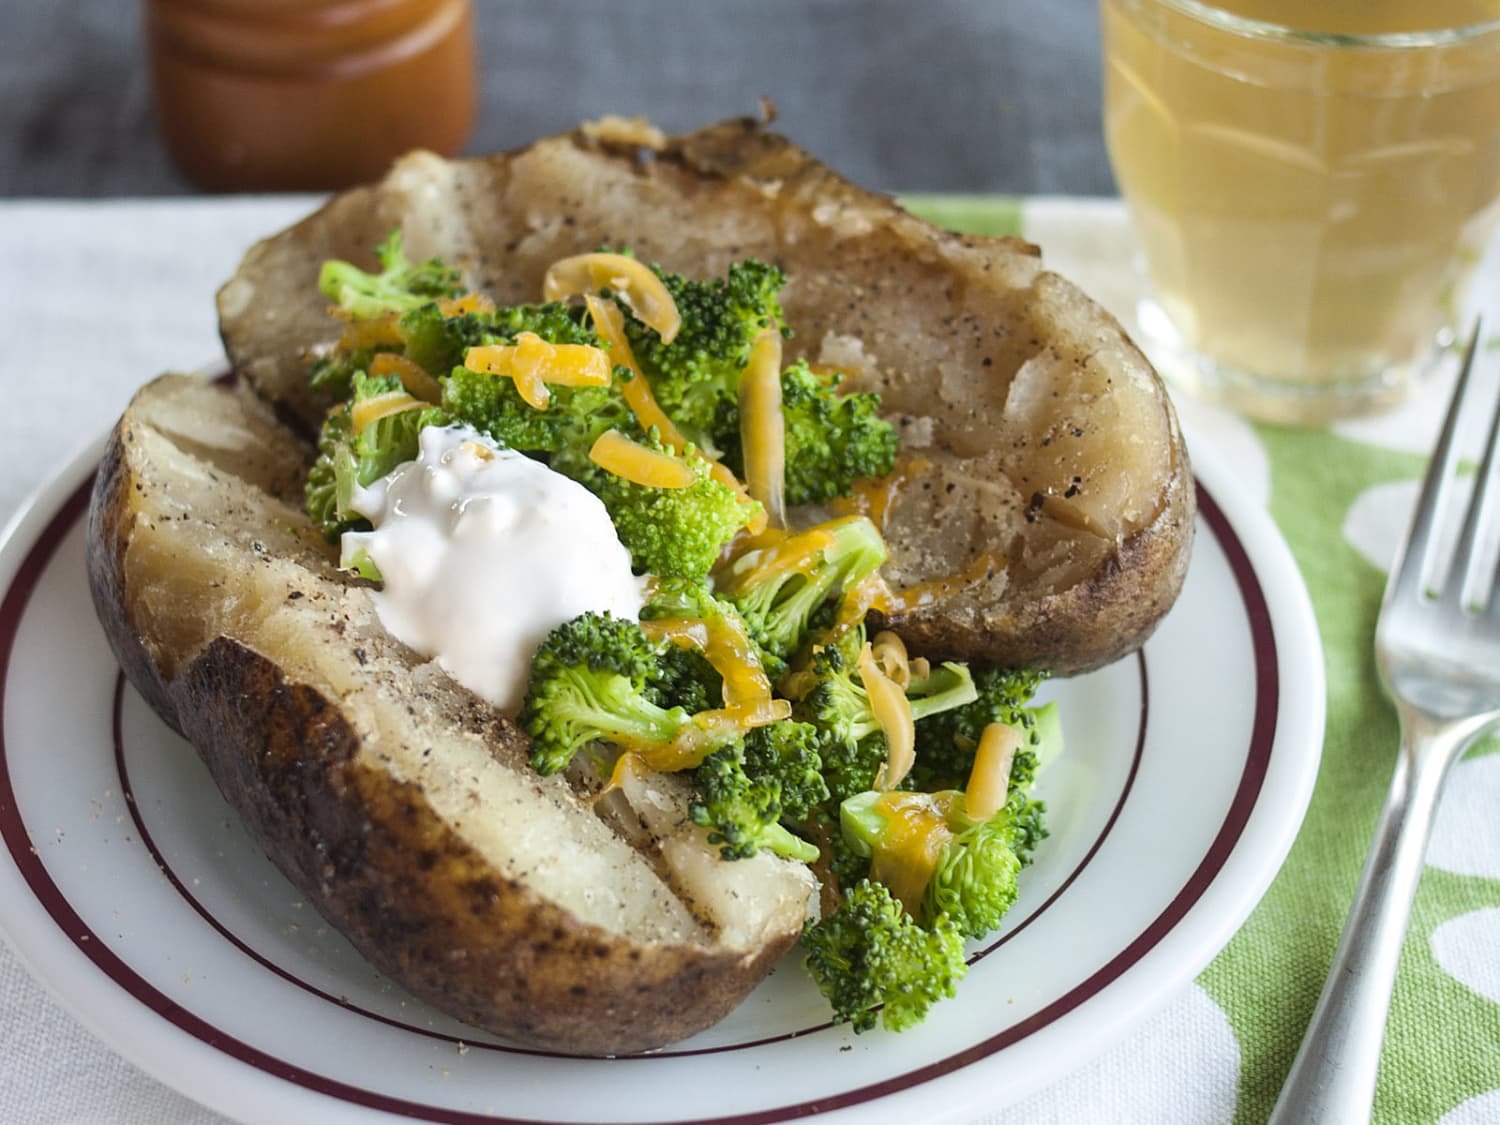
{"x": 1393, "y": 40}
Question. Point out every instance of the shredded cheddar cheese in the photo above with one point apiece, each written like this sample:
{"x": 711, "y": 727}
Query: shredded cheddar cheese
{"x": 798, "y": 553}
{"x": 763, "y": 426}
{"x": 909, "y": 850}
{"x": 711, "y": 729}
{"x": 609, "y": 323}
{"x": 371, "y": 410}
{"x": 615, "y": 453}
{"x": 726, "y": 645}
{"x": 413, "y": 377}
{"x": 989, "y": 779}
{"x": 893, "y": 712}
{"x": 533, "y": 363}
{"x": 374, "y": 332}
{"x": 627, "y": 765}
{"x": 869, "y": 593}
{"x": 468, "y": 303}
{"x": 890, "y": 657}
{"x": 627, "y": 278}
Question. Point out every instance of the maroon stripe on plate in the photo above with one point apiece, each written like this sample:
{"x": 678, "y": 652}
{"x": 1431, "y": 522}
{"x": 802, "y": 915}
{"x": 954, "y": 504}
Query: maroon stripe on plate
{"x": 28, "y": 863}
{"x": 165, "y": 866}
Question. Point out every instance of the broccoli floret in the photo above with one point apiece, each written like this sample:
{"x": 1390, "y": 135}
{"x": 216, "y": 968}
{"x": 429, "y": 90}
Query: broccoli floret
{"x": 321, "y": 490}
{"x": 334, "y": 371}
{"x": 832, "y": 440}
{"x": 839, "y": 704}
{"x": 779, "y": 602}
{"x": 850, "y": 766}
{"x": 1028, "y": 824}
{"x": 555, "y": 322}
{"x": 790, "y": 754}
{"x": 673, "y": 532}
{"x": 696, "y": 376}
{"x": 869, "y": 952}
{"x": 438, "y": 342}
{"x": 589, "y": 682}
{"x": 691, "y": 598}
{"x": 687, "y": 677}
{"x": 742, "y": 812}
{"x": 974, "y": 883}
{"x": 684, "y": 678}
{"x": 847, "y": 864}
{"x": 346, "y": 459}
{"x": 946, "y": 742}
{"x": 400, "y": 284}
{"x": 574, "y": 417}
{"x": 854, "y": 746}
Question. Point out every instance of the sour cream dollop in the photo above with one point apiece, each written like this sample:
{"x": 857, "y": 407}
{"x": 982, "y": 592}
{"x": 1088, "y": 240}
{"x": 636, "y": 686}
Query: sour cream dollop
{"x": 482, "y": 552}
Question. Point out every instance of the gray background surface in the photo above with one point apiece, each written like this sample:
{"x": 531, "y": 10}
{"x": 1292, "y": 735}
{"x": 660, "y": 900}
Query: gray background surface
{"x": 952, "y": 95}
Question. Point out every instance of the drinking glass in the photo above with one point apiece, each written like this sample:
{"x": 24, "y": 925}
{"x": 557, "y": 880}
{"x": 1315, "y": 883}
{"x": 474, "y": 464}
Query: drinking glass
{"x": 1310, "y": 185}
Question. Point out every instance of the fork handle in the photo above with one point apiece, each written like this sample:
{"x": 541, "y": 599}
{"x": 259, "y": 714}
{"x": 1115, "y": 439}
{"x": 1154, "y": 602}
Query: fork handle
{"x": 1332, "y": 1081}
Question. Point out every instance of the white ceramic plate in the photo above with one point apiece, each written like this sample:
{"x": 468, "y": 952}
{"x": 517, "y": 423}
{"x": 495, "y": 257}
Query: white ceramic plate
{"x": 131, "y": 890}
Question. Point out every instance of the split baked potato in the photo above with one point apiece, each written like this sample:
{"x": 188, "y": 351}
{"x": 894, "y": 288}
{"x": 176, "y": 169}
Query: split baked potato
{"x": 1036, "y": 436}
{"x": 1046, "y": 512}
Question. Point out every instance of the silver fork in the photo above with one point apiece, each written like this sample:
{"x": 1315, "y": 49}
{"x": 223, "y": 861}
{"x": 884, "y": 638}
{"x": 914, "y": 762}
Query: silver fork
{"x": 1438, "y": 648}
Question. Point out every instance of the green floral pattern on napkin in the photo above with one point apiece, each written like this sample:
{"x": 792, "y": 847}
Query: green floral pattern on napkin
{"x": 1341, "y": 498}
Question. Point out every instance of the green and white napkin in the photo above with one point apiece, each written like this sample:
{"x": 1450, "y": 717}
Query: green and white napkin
{"x": 1341, "y": 496}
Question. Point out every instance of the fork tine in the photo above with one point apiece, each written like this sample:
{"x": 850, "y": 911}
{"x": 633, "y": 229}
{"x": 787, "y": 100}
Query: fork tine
{"x": 1480, "y": 514}
{"x": 1406, "y": 571}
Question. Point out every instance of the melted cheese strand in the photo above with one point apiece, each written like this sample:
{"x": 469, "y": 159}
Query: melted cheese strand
{"x": 413, "y": 377}
{"x": 609, "y": 323}
{"x": 371, "y": 333}
{"x": 627, "y": 278}
{"x": 726, "y": 645}
{"x": 798, "y": 553}
{"x": 763, "y": 426}
{"x": 893, "y": 712}
{"x": 989, "y": 779}
{"x": 533, "y": 363}
{"x": 468, "y": 303}
{"x": 876, "y": 497}
{"x": 371, "y": 410}
{"x": 869, "y": 593}
{"x": 890, "y": 656}
{"x": 711, "y": 729}
{"x": 980, "y": 569}
{"x": 911, "y": 846}
{"x": 615, "y": 453}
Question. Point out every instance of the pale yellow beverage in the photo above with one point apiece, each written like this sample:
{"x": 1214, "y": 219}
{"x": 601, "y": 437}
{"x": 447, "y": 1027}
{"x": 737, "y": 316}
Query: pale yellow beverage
{"x": 1310, "y": 181}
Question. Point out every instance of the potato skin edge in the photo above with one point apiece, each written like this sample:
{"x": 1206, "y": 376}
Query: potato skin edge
{"x": 373, "y": 859}
{"x": 413, "y": 897}
{"x": 110, "y": 521}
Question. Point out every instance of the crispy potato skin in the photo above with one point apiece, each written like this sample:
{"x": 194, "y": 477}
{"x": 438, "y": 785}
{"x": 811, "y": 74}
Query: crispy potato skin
{"x": 373, "y": 858}
{"x": 947, "y": 323}
{"x": 414, "y": 898}
{"x": 1080, "y": 627}
{"x": 111, "y": 518}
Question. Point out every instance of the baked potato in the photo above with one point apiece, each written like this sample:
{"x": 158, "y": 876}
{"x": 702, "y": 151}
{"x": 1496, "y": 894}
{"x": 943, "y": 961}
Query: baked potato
{"x": 1036, "y": 435}
{"x": 400, "y": 804}
{"x": 1036, "y": 438}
